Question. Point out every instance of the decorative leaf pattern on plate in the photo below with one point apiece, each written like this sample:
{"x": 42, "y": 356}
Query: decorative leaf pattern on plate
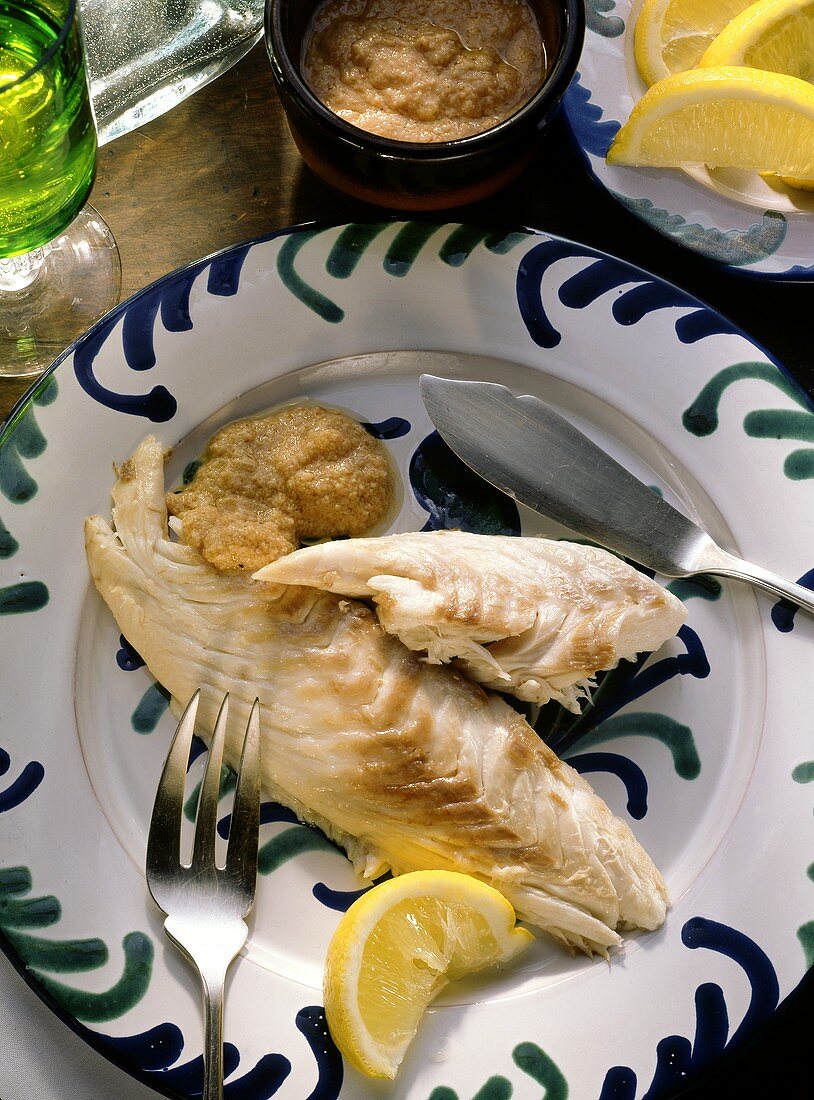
{"x": 456, "y": 497}
{"x": 598, "y": 21}
{"x": 597, "y": 278}
{"x": 152, "y": 1052}
{"x": 394, "y": 427}
{"x": 407, "y": 244}
{"x": 23, "y": 786}
{"x": 342, "y": 900}
{"x": 677, "y": 1057}
{"x": 152, "y": 1056}
{"x": 22, "y": 439}
{"x": 308, "y": 295}
{"x": 675, "y": 736}
{"x": 631, "y": 775}
{"x": 784, "y": 612}
{"x": 592, "y": 133}
{"x": 805, "y": 934}
{"x": 19, "y": 599}
{"x": 127, "y": 658}
{"x": 286, "y": 845}
{"x": 735, "y": 247}
{"x": 630, "y": 680}
{"x": 804, "y": 773}
{"x": 534, "y": 1062}
{"x": 169, "y": 299}
{"x": 705, "y": 588}
{"x": 701, "y": 417}
{"x": 152, "y": 705}
{"x": 71, "y": 955}
{"x": 8, "y": 544}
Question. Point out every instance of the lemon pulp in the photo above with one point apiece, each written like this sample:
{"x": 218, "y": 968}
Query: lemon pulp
{"x": 671, "y": 35}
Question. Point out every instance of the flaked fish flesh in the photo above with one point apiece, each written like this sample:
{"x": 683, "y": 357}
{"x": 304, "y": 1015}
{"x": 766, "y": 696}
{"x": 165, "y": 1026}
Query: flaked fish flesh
{"x": 533, "y": 617}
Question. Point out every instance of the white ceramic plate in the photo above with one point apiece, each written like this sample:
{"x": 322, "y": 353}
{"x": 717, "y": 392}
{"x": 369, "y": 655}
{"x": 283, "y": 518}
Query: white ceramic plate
{"x": 705, "y": 745}
{"x": 735, "y": 218}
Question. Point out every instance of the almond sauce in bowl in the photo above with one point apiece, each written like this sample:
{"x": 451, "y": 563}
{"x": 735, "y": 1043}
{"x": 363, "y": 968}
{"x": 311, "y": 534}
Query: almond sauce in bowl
{"x": 430, "y": 70}
{"x": 421, "y": 105}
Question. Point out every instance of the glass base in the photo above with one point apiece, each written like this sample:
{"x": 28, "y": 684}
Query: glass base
{"x": 51, "y": 296}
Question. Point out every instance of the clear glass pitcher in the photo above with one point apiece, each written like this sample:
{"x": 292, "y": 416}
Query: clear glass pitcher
{"x": 145, "y": 56}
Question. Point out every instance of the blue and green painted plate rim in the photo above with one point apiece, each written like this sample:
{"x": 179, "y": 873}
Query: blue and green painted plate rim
{"x": 93, "y": 1039}
{"x": 319, "y": 227}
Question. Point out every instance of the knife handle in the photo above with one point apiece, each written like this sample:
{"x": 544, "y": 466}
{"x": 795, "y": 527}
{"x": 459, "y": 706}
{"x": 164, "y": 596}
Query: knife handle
{"x": 728, "y": 565}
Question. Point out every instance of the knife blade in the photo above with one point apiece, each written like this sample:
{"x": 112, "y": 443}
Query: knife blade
{"x": 533, "y": 454}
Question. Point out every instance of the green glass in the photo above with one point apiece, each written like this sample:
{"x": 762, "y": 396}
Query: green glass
{"x": 47, "y": 135}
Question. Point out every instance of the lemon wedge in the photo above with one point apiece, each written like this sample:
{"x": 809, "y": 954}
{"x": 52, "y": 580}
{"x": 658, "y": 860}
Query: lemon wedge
{"x": 671, "y": 35}
{"x": 799, "y": 184}
{"x": 777, "y": 35}
{"x": 723, "y": 117}
{"x": 397, "y": 947}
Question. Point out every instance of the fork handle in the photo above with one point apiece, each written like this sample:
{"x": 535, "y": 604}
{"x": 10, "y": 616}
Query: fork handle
{"x": 728, "y": 565}
{"x": 213, "y": 986}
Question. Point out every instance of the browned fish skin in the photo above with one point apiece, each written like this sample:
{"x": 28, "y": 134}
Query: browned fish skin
{"x": 408, "y": 766}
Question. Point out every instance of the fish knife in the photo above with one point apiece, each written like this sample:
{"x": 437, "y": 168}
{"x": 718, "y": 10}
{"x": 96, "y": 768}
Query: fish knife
{"x": 528, "y": 451}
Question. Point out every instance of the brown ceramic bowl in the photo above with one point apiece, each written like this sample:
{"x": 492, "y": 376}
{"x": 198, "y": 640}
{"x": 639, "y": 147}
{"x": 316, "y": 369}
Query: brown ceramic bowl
{"x": 408, "y": 175}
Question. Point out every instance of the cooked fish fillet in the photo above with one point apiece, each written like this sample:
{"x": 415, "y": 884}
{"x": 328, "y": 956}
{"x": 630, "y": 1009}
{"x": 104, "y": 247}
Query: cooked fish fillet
{"x": 408, "y": 766}
{"x": 529, "y": 616}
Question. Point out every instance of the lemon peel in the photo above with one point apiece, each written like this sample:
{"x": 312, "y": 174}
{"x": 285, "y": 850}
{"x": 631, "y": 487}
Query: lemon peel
{"x": 395, "y": 949}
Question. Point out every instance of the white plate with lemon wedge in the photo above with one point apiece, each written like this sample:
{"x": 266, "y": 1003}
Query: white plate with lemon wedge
{"x": 711, "y": 99}
{"x": 703, "y": 748}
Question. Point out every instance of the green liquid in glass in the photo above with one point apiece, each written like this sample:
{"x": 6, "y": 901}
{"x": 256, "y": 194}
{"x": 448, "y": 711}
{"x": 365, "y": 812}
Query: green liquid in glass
{"x": 47, "y": 136}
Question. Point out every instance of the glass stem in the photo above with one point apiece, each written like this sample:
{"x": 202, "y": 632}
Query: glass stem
{"x": 19, "y": 272}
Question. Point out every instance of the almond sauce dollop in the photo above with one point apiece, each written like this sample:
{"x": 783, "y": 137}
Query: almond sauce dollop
{"x": 267, "y": 483}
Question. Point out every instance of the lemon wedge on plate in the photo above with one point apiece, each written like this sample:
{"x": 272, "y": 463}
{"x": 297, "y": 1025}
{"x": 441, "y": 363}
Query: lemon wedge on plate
{"x": 671, "y": 35}
{"x": 723, "y": 117}
{"x": 777, "y": 35}
{"x": 773, "y": 34}
{"x": 397, "y": 947}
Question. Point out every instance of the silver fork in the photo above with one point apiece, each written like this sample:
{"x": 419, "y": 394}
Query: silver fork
{"x": 206, "y": 904}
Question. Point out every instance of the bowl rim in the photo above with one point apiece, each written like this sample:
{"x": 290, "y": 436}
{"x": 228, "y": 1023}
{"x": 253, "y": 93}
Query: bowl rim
{"x": 547, "y": 96}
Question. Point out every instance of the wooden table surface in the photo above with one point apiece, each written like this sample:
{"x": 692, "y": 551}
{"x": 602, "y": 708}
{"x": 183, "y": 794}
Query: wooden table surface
{"x": 221, "y": 168}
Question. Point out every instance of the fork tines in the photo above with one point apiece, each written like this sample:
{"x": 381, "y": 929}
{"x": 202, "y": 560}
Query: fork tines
{"x": 165, "y": 869}
{"x": 206, "y": 904}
